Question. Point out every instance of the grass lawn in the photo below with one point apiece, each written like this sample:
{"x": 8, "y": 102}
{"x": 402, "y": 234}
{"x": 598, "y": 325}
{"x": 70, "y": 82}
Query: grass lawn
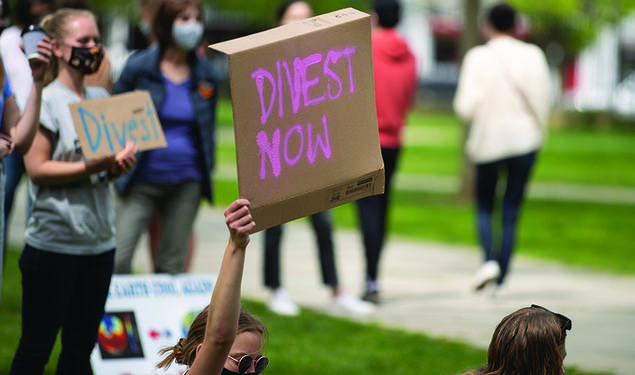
{"x": 594, "y": 235}
{"x": 312, "y": 343}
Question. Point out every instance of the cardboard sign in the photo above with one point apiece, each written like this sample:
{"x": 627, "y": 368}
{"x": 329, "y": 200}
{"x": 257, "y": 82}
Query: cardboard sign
{"x": 305, "y": 123}
{"x": 105, "y": 125}
{"x": 145, "y": 313}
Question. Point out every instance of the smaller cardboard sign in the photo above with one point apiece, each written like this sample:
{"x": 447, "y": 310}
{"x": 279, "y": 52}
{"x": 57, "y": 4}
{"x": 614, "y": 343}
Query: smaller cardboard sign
{"x": 305, "y": 122}
{"x": 105, "y": 125}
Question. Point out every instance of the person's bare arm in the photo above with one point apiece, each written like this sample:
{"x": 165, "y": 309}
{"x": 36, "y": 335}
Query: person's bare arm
{"x": 22, "y": 129}
{"x": 222, "y": 320}
{"x": 44, "y": 171}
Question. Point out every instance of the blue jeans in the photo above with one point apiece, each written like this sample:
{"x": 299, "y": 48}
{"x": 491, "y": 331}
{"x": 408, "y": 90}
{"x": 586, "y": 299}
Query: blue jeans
{"x": 518, "y": 169}
{"x": 61, "y": 291}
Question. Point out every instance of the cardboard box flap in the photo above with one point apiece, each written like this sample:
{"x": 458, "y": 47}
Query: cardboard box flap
{"x": 288, "y": 31}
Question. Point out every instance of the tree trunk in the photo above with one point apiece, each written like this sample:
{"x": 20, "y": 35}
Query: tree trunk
{"x": 469, "y": 38}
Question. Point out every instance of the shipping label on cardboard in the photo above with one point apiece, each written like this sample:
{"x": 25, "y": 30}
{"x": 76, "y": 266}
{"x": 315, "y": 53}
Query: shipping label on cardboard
{"x": 105, "y": 125}
{"x": 304, "y": 116}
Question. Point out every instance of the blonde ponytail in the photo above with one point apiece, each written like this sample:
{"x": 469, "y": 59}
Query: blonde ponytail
{"x": 184, "y": 352}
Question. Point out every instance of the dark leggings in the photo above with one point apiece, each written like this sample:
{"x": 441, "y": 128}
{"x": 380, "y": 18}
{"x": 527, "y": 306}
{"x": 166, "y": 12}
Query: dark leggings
{"x": 518, "y": 169}
{"x": 61, "y": 291}
{"x": 373, "y": 216}
{"x": 323, "y": 228}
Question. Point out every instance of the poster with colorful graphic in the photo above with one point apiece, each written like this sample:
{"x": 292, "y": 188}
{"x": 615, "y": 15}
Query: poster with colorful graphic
{"x": 143, "y": 315}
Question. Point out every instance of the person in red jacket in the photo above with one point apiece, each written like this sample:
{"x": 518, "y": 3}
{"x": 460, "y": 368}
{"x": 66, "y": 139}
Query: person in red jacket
{"x": 395, "y": 85}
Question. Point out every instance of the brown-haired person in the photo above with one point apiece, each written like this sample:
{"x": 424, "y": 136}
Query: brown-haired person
{"x": 174, "y": 179}
{"x": 528, "y": 341}
{"x": 223, "y": 339}
{"x": 68, "y": 256}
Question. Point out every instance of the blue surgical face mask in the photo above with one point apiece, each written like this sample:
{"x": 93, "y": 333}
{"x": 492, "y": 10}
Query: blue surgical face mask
{"x": 187, "y": 35}
{"x": 145, "y": 28}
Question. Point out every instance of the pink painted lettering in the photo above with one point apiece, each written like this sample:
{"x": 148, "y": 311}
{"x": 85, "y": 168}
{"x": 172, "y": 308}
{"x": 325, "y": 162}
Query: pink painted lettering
{"x": 308, "y": 83}
{"x": 348, "y": 51}
{"x": 295, "y": 87}
{"x": 324, "y": 144}
{"x": 280, "y": 100}
{"x": 270, "y": 150}
{"x": 302, "y": 82}
{"x": 294, "y": 160}
{"x": 260, "y": 75}
{"x": 333, "y": 56}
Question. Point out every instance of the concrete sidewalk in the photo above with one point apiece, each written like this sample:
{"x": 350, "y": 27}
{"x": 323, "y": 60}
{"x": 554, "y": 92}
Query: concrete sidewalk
{"x": 425, "y": 288}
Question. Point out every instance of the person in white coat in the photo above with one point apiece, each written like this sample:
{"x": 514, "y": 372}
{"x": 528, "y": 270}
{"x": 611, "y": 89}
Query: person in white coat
{"x": 503, "y": 96}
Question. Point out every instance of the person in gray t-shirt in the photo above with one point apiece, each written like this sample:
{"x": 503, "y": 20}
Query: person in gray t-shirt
{"x": 68, "y": 258}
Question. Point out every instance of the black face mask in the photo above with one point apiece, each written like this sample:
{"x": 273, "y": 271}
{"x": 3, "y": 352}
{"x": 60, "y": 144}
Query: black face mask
{"x": 86, "y": 59}
{"x": 229, "y": 372}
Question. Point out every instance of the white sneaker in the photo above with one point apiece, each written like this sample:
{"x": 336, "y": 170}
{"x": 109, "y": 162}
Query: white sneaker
{"x": 282, "y": 304}
{"x": 488, "y": 272}
{"x": 350, "y": 304}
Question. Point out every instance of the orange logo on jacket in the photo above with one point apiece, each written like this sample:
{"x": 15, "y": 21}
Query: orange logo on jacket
{"x": 206, "y": 89}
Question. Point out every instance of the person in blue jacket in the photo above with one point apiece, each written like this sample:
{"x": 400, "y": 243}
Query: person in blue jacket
{"x": 171, "y": 180}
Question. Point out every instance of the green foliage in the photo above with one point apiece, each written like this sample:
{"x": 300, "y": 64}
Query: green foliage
{"x": 572, "y": 24}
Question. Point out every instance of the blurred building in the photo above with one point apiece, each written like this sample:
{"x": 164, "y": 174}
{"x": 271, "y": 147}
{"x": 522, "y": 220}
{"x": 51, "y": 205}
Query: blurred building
{"x": 602, "y": 78}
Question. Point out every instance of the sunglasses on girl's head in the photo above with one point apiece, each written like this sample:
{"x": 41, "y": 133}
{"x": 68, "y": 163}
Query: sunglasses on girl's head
{"x": 244, "y": 363}
{"x": 565, "y": 323}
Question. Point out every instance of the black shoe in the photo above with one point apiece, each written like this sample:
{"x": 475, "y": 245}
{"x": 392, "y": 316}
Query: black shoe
{"x": 372, "y": 297}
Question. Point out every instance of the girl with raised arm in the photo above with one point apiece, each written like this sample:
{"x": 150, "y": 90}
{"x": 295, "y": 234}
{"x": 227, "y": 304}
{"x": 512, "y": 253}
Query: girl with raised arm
{"x": 223, "y": 339}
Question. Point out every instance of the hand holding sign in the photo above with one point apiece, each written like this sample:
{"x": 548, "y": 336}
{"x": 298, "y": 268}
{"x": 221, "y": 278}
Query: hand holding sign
{"x": 239, "y": 222}
{"x": 124, "y": 160}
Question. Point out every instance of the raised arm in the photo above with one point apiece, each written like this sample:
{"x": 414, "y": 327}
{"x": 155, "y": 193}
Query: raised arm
{"x": 222, "y": 320}
{"x": 22, "y": 129}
